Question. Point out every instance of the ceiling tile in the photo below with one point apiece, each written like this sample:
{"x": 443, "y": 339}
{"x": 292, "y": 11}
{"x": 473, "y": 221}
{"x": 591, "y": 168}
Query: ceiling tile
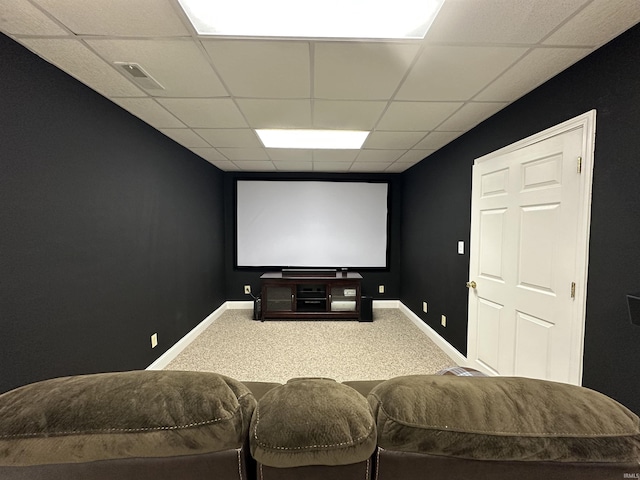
{"x": 185, "y": 137}
{"x": 294, "y": 166}
{"x": 393, "y": 140}
{"x": 320, "y": 166}
{"x": 282, "y": 67}
{"x": 335, "y": 155}
{"x": 471, "y": 115}
{"x": 436, "y": 140}
{"x": 414, "y": 156}
{"x": 225, "y": 165}
{"x": 290, "y": 154}
{"x": 388, "y": 156}
{"x": 256, "y": 166}
{"x": 150, "y": 111}
{"x": 244, "y": 154}
{"x": 354, "y": 115}
{"x": 534, "y": 69}
{"x": 178, "y": 65}
{"x": 210, "y": 154}
{"x": 78, "y": 61}
{"x": 416, "y": 116}
{"x": 612, "y": 17}
{"x": 205, "y": 112}
{"x": 22, "y": 18}
{"x": 146, "y": 18}
{"x": 370, "y": 167}
{"x": 230, "y": 137}
{"x": 499, "y": 21}
{"x": 268, "y": 113}
{"x": 360, "y": 71}
{"x": 456, "y": 73}
{"x": 398, "y": 167}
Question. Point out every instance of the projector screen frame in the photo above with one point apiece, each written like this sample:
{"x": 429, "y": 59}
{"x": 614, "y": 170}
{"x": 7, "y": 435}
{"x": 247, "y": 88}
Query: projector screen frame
{"x": 310, "y": 268}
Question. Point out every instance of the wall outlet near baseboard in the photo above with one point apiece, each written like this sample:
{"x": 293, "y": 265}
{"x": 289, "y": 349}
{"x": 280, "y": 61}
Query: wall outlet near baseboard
{"x": 443, "y": 321}
{"x": 424, "y": 307}
{"x": 380, "y": 288}
{"x": 154, "y": 340}
{"x": 247, "y": 289}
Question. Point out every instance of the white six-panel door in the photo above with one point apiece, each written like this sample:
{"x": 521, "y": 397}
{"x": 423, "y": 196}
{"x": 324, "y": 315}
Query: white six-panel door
{"x": 528, "y": 255}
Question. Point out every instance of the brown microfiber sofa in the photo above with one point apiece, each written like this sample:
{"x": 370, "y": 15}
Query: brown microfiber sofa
{"x": 196, "y": 425}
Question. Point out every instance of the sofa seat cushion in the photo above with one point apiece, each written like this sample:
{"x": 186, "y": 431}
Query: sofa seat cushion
{"x": 503, "y": 418}
{"x": 312, "y": 421}
{"x": 123, "y": 415}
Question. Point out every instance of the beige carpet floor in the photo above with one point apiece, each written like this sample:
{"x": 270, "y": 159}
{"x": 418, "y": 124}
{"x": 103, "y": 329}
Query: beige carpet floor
{"x": 275, "y": 351}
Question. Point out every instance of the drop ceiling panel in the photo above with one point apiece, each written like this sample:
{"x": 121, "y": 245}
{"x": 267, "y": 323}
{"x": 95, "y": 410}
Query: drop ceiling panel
{"x": 398, "y": 167}
{"x": 370, "y": 167}
{"x": 320, "y": 166}
{"x": 230, "y": 137}
{"x": 225, "y": 165}
{"x": 139, "y": 18}
{"x": 360, "y": 71}
{"x": 244, "y": 154}
{"x": 349, "y": 115}
{"x": 416, "y": 116}
{"x": 436, "y": 140}
{"x": 210, "y": 154}
{"x": 185, "y": 137}
{"x": 256, "y": 166}
{"x": 610, "y": 16}
{"x": 77, "y": 60}
{"x": 388, "y": 156}
{"x": 148, "y": 110}
{"x": 499, "y": 21}
{"x": 456, "y": 73}
{"x": 267, "y": 113}
{"x": 282, "y": 67}
{"x": 346, "y": 156}
{"x": 393, "y": 140}
{"x": 294, "y": 166}
{"x": 535, "y": 68}
{"x": 470, "y": 115}
{"x": 205, "y": 112}
{"x": 414, "y": 156}
{"x": 22, "y": 18}
{"x": 178, "y": 65}
{"x": 290, "y": 155}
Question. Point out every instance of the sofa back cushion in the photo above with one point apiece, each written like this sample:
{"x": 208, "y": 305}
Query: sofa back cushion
{"x": 123, "y": 415}
{"x": 503, "y": 418}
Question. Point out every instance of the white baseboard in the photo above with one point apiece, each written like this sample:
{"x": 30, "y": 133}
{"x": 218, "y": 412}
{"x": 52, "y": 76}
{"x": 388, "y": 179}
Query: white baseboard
{"x": 240, "y": 305}
{"x": 435, "y": 337}
{"x": 181, "y": 344}
{"x": 386, "y": 303}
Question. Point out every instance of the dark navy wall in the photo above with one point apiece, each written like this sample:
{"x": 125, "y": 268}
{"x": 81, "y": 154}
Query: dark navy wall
{"x": 109, "y": 231}
{"x": 437, "y": 203}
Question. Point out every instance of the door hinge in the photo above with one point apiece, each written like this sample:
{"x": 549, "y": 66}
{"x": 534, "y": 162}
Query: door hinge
{"x": 573, "y": 289}
{"x": 579, "y": 164}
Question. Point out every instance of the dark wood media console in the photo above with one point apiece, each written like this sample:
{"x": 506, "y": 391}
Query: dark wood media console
{"x": 311, "y": 295}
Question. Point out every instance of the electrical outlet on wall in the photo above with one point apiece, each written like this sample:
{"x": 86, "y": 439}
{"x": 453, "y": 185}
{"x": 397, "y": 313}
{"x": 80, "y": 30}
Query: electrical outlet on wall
{"x": 154, "y": 340}
{"x": 443, "y": 321}
{"x": 247, "y": 289}
{"x": 424, "y": 307}
{"x": 380, "y": 288}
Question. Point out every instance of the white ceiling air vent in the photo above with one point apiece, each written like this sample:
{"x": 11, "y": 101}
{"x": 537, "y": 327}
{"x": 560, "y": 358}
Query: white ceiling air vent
{"x": 136, "y": 73}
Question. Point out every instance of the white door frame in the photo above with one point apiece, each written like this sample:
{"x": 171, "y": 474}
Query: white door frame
{"x": 588, "y": 122}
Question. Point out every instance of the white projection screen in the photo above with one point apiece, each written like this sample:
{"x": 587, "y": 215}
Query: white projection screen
{"x": 313, "y": 224}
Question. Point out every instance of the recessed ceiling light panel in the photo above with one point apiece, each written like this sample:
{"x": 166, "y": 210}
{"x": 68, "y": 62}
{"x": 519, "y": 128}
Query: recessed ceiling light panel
{"x": 407, "y": 19}
{"x": 324, "y": 139}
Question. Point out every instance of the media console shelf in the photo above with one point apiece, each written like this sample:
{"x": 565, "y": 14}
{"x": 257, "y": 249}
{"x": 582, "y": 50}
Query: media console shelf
{"x": 311, "y": 295}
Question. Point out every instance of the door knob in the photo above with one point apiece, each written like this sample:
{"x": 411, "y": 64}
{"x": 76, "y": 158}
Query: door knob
{"x": 471, "y": 284}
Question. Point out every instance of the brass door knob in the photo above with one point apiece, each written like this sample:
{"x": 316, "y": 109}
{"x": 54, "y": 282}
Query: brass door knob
{"x": 471, "y": 284}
